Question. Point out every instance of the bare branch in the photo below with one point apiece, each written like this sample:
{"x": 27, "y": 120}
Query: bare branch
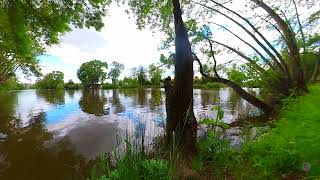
{"x": 255, "y": 49}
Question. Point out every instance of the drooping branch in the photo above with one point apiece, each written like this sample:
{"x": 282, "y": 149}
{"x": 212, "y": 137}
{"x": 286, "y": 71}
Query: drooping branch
{"x": 259, "y": 33}
{"x": 253, "y": 63}
{"x": 300, "y": 27}
{"x": 255, "y": 49}
{"x": 271, "y": 24}
{"x": 214, "y": 59}
{"x": 291, "y": 43}
{"x": 238, "y": 89}
{"x": 281, "y": 67}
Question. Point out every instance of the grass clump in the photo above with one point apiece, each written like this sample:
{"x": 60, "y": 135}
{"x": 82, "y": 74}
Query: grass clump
{"x": 291, "y": 150}
{"x": 132, "y": 165}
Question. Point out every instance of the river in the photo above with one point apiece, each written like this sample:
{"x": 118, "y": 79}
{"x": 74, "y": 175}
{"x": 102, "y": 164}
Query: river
{"x": 53, "y": 134}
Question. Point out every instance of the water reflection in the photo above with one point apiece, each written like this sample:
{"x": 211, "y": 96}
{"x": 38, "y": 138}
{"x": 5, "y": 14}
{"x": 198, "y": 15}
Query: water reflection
{"x": 27, "y": 153}
{"x": 93, "y": 102}
{"x": 51, "y": 96}
{"x": 116, "y": 103}
{"x": 59, "y": 131}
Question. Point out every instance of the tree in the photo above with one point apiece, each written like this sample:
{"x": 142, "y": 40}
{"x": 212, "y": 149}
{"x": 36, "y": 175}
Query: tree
{"x": 155, "y": 74}
{"x": 140, "y": 74}
{"x": 288, "y": 71}
{"x": 92, "y": 73}
{"x": 53, "y": 80}
{"x": 236, "y": 75}
{"x": 71, "y": 85}
{"x": 115, "y": 71}
{"x": 179, "y": 97}
{"x": 28, "y": 27}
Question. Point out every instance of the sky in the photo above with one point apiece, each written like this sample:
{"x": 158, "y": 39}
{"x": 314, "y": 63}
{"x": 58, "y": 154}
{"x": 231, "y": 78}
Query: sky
{"x": 121, "y": 41}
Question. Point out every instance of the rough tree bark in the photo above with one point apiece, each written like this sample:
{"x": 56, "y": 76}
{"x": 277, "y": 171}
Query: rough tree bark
{"x": 180, "y": 117}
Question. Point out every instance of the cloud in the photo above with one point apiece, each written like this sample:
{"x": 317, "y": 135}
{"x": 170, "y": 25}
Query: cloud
{"x": 119, "y": 40}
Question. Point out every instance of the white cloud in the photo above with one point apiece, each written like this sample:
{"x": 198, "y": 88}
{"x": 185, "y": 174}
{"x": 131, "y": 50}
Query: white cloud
{"x": 119, "y": 40}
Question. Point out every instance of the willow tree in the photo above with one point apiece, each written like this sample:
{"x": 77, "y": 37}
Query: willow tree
{"x": 167, "y": 16}
{"x": 285, "y": 64}
{"x": 27, "y": 27}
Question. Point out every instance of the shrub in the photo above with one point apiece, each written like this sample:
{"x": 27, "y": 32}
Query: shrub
{"x": 133, "y": 165}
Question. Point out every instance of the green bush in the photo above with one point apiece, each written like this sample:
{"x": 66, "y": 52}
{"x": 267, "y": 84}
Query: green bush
{"x": 110, "y": 86}
{"x": 133, "y": 165}
{"x": 11, "y": 84}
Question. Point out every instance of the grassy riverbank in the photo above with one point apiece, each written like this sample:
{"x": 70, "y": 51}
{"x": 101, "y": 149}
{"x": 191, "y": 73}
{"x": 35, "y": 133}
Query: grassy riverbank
{"x": 290, "y": 150}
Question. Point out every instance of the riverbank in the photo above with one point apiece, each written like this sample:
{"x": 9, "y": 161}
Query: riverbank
{"x": 290, "y": 150}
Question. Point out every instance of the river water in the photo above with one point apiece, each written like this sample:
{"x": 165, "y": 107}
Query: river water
{"x": 53, "y": 134}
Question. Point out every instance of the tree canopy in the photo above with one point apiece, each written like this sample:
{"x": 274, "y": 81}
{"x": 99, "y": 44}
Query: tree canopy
{"x": 92, "y": 73}
{"x": 27, "y": 27}
{"x": 53, "y": 80}
{"x": 115, "y": 71}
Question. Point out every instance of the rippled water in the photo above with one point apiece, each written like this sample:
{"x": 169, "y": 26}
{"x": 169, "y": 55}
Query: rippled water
{"x": 53, "y": 134}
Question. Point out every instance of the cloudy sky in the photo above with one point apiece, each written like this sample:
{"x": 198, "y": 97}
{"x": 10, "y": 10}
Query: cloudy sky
{"x": 121, "y": 41}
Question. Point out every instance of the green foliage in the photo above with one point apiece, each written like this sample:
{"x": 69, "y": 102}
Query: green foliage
{"x": 11, "y": 84}
{"x": 27, "y": 27}
{"x": 53, "y": 80}
{"x": 202, "y": 84}
{"x": 110, "y": 86}
{"x": 71, "y": 85}
{"x": 218, "y": 121}
{"x": 236, "y": 76}
{"x": 214, "y": 151}
{"x": 282, "y": 152}
{"x": 92, "y": 73}
{"x": 154, "y": 13}
{"x": 140, "y": 74}
{"x": 129, "y": 82}
{"x": 155, "y": 74}
{"x": 115, "y": 71}
{"x": 133, "y": 165}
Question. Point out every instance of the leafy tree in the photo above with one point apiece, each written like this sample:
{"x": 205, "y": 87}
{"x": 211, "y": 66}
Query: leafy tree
{"x": 11, "y": 84}
{"x": 140, "y": 74}
{"x": 92, "y": 73}
{"x": 27, "y": 27}
{"x": 71, "y": 85}
{"x": 155, "y": 74}
{"x": 53, "y": 80}
{"x": 236, "y": 75}
{"x": 129, "y": 82}
{"x": 180, "y": 117}
{"x": 115, "y": 71}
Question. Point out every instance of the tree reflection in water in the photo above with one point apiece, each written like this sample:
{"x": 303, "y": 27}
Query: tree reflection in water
{"x": 93, "y": 102}
{"x": 116, "y": 103}
{"x": 30, "y": 153}
{"x": 52, "y": 96}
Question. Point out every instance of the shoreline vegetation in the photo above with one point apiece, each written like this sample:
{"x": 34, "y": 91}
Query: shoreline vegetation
{"x": 13, "y": 85}
{"x": 272, "y": 45}
{"x": 290, "y": 149}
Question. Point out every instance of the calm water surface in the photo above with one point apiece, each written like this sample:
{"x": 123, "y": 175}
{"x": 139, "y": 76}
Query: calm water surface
{"x": 54, "y": 134}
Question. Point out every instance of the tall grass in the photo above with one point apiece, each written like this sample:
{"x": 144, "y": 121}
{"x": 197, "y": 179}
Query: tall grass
{"x": 291, "y": 150}
{"x": 132, "y": 164}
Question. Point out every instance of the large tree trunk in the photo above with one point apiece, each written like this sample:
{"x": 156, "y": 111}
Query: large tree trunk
{"x": 315, "y": 70}
{"x": 180, "y": 117}
{"x": 244, "y": 94}
{"x": 290, "y": 40}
